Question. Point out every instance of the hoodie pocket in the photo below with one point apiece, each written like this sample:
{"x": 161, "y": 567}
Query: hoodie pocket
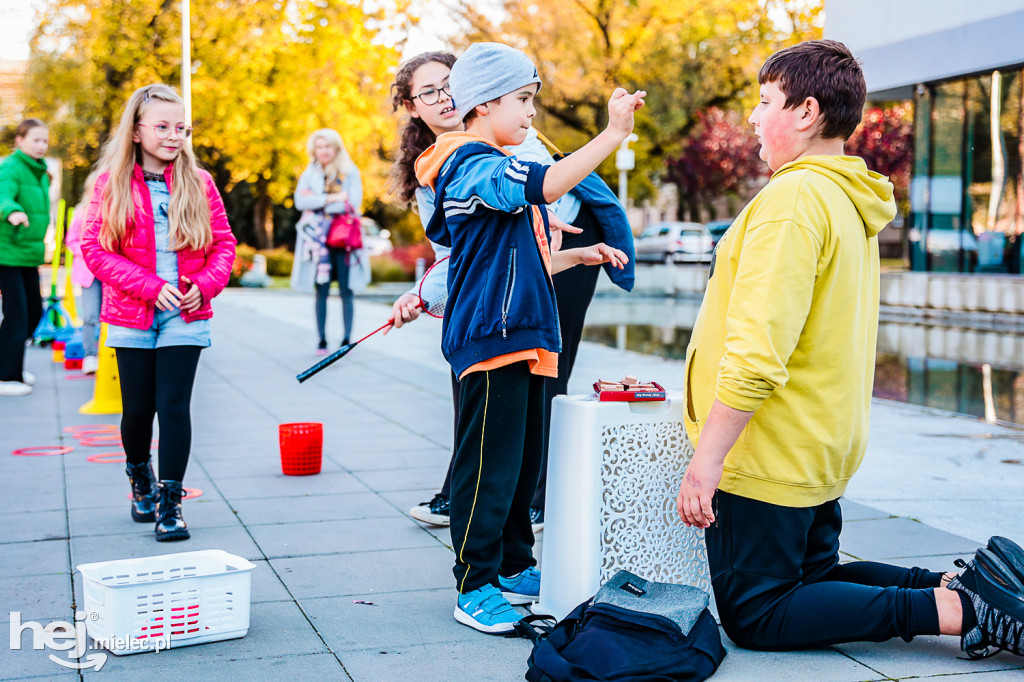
{"x": 510, "y": 287}
{"x": 691, "y": 413}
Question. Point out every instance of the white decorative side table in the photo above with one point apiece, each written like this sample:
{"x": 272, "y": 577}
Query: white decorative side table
{"x": 613, "y": 474}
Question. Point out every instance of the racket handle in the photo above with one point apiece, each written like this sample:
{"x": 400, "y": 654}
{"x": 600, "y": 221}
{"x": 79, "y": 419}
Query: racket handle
{"x": 337, "y": 355}
{"x": 325, "y": 363}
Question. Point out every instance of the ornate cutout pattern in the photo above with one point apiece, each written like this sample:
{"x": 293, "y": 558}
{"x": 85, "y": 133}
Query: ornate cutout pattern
{"x": 641, "y": 466}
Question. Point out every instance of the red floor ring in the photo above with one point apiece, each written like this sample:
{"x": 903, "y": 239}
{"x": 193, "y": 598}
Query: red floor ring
{"x": 98, "y": 428}
{"x": 101, "y": 440}
{"x": 92, "y": 434}
{"x": 78, "y": 377}
{"x": 186, "y": 493}
{"x": 42, "y": 451}
{"x": 107, "y": 458}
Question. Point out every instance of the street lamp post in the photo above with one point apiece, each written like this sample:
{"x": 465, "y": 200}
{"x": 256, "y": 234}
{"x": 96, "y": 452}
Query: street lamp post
{"x": 186, "y": 59}
{"x": 625, "y": 160}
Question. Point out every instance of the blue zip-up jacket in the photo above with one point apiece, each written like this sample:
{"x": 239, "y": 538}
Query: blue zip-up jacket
{"x": 611, "y": 216}
{"x": 595, "y": 194}
{"x": 500, "y": 296}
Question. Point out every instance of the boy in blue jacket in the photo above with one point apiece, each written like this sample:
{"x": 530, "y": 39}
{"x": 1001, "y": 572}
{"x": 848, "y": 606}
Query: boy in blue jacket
{"x": 500, "y": 330}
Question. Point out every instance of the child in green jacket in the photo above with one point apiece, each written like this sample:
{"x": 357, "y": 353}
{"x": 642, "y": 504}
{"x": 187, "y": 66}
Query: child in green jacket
{"x": 24, "y": 217}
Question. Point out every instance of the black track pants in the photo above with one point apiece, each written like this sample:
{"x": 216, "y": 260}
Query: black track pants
{"x": 497, "y": 462}
{"x": 779, "y": 584}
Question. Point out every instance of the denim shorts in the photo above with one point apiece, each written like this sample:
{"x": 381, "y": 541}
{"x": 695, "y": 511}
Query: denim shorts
{"x": 168, "y": 329}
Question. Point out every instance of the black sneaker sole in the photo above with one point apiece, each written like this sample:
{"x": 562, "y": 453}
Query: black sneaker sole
{"x": 173, "y": 536}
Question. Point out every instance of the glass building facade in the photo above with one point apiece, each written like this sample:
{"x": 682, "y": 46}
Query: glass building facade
{"x": 966, "y": 193}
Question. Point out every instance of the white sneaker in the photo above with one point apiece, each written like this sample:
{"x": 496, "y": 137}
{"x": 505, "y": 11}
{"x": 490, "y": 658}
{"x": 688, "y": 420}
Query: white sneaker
{"x": 14, "y": 388}
{"x": 28, "y": 377}
{"x": 90, "y": 363}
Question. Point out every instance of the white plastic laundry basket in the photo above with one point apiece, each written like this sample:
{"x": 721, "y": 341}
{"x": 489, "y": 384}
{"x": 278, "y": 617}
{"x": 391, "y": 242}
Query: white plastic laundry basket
{"x": 157, "y": 602}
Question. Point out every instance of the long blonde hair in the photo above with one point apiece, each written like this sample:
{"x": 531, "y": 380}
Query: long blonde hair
{"x": 189, "y": 211}
{"x": 342, "y": 164}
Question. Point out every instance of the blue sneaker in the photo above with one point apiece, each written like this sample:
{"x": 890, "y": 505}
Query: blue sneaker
{"x": 521, "y": 588}
{"x": 487, "y": 611}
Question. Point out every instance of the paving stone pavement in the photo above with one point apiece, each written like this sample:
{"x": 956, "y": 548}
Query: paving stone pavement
{"x": 932, "y": 487}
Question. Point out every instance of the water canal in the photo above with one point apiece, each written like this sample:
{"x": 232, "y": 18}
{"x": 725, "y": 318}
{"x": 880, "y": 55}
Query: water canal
{"x": 977, "y": 373}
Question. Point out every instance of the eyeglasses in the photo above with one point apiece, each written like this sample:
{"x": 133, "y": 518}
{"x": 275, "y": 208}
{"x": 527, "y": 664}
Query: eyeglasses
{"x": 163, "y": 131}
{"x": 432, "y": 97}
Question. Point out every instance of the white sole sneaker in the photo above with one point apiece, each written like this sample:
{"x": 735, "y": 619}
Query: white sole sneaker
{"x": 28, "y": 378}
{"x": 516, "y": 599}
{"x": 496, "y": 629}
{"x": 14, "y": 388}
{"x": 423, "y": 514}
{"x": 90, "y": 364}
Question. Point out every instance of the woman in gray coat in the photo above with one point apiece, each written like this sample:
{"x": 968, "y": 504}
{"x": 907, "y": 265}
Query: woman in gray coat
{"x": 329, "y": 186}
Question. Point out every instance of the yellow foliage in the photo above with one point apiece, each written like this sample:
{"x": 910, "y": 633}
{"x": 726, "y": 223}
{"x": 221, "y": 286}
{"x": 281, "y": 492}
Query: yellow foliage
{"x": 687, "y": 54}
{"x": 265, "y": 73}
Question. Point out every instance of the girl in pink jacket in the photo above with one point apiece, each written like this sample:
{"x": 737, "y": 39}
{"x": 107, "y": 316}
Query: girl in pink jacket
{"x": 157, "y": 236}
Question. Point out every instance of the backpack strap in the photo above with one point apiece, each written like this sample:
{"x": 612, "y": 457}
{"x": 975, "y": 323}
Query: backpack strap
{"x": 526, "y": 629}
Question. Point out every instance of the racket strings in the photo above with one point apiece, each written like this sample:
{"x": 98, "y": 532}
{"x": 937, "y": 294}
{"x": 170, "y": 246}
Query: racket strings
{"x": 433, "y": 291}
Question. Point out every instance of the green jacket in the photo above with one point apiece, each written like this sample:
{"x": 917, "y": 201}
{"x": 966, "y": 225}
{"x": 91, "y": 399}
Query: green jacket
{"x": 24, "y": 187}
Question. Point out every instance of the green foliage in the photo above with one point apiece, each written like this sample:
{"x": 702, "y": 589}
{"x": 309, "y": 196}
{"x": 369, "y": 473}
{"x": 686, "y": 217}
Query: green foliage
{"x": 242, "y": 264}
{"x": 404, "y": 224}
{"x": 387, "y": 269}
{"x": 279, "y": 261}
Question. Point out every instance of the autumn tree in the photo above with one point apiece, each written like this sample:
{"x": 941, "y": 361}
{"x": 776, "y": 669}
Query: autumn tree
{"x": 719, "y": 158}
{"x": 885, "y": 140}
{"x": 265, "y": 73}
{"x": 689, "y": 55}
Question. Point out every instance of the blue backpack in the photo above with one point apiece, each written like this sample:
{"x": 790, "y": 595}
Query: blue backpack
{"x": 632, "y": 629}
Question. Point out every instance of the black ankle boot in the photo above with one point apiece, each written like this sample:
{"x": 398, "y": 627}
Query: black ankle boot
{"x": 143, "y": 491}
{"x": 169, "y": 523}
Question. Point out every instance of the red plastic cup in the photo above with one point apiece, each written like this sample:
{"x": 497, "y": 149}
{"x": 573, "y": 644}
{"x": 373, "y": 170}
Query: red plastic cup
{"x": 72, "y": 363}
{"x": 302, "y": 446}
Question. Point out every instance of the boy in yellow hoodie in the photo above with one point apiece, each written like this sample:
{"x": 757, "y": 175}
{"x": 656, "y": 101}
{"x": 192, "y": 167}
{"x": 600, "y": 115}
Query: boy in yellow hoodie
{"x": 779, "y": 375}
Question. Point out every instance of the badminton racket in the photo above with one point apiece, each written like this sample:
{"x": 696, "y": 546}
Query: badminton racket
{"x": 433, "y": 294}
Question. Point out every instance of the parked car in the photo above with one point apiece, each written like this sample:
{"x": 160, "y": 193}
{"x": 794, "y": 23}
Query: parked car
{"x": 717, "y": 229}
{"x": 376, "y": 241}
{"x": 674, "y": 242}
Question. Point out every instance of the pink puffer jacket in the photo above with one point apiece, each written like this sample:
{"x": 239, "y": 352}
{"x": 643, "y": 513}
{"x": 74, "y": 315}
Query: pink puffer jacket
{"x": 131, "y": 285}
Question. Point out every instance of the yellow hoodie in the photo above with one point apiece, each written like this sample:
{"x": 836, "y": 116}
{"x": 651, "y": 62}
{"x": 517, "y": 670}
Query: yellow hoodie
{"x": 787, "y": 330}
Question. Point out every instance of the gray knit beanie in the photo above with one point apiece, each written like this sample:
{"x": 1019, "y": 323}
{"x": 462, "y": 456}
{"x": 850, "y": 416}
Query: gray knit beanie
{"x": 487, "y": 71}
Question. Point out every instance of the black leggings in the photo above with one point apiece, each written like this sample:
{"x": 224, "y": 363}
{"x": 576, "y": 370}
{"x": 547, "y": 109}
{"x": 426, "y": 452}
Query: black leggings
{"x": 23, "y": 308}
{"x": 158, "y": 382}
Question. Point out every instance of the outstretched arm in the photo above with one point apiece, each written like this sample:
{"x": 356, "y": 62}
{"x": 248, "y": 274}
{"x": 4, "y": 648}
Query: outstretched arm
{"x": 571, "y": 170}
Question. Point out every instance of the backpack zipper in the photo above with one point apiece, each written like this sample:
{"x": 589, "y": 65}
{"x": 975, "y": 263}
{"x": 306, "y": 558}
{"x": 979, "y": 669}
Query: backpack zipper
{"x": 510, "y": 285}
